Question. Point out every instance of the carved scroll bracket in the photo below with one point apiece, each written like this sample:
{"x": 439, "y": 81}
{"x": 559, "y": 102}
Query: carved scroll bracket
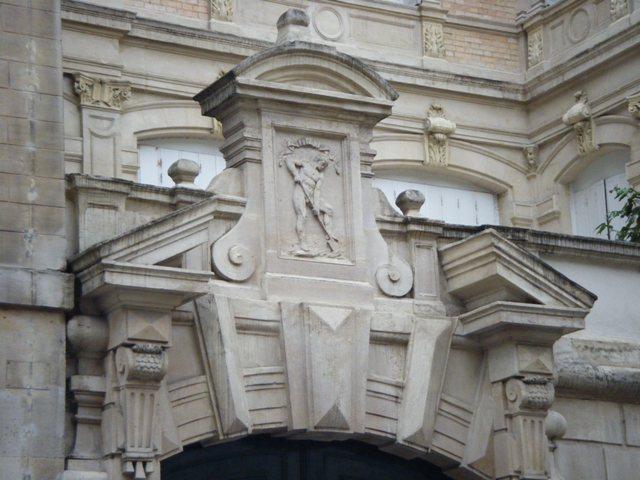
{"x": 579, "y": 117}
{"x": 234, "y": 256}
{"x": 438, "y": 129}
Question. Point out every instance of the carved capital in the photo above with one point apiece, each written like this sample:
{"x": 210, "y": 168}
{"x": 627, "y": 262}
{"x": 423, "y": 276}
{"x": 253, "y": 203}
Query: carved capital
{"x": 520, "y": 443}
{"x": 535, "y": 46}
{"x": 438, "y": 129}
{"x": 579, "y": 117}
{"x": 433, "y": 40}
{"x": 533, "y": 393}
{"x": 97, "y": 92}
{"x": 139, "y": 373}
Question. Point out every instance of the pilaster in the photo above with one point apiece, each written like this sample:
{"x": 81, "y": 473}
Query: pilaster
{"x": 101, "y": 105}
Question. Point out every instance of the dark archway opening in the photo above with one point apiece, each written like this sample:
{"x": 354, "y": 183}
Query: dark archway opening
{"x": 269, "y": 458}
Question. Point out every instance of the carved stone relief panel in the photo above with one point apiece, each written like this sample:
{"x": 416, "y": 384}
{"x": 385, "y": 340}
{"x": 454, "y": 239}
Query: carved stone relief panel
{"x": 618, "y": 8}
{"x": 312, "y": 206}
{"x": 534, "y": 47}
{"x": 433, "y": 40}
{"x": 221, "y": 9}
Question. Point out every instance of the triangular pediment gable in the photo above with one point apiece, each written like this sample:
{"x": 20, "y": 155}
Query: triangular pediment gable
{"x": 487, "y": 267}
{"x": 164, "y": 238}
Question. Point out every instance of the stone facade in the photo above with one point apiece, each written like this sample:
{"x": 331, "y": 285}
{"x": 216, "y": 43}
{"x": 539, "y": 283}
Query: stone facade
{"x": 290, "y": 297}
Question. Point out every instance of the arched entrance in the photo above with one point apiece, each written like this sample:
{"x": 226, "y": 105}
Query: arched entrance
{"x": 266, "y": 458}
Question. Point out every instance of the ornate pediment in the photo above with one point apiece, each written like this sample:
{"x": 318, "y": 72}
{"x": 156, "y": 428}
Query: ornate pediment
{"x": 487, "y": 267}
{"x": 286, "y": 311}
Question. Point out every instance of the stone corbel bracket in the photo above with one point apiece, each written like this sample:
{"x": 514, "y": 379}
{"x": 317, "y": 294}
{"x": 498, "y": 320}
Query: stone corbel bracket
{"x": 137, "y": 301}
{"x": 438, "y": 129}
{"x": 580, "y": 118}
{"x": 518, "y": 307}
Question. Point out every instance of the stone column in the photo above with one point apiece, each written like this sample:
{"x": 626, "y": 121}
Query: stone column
{"x": 100, "y": 104}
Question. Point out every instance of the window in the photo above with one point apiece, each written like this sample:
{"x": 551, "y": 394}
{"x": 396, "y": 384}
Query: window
{"x": 156, "y": 156}
{"x": 447, "y": 201}
{"x": 591, "y": 197}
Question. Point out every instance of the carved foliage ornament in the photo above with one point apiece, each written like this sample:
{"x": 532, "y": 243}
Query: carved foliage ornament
{"x": 221, "y": 9}
{"x": 101, "y": 93}
{"x": 618, "y": 8}
{"x": 307, "y": 161}
{"x": 433, "y": 40}
{"x": 528, "y": 400}
{"x": 437, "y": 131}
{"x": 579, "y": 117}
{"x": 140, "y": 369}
{"x": 534, "y": 47}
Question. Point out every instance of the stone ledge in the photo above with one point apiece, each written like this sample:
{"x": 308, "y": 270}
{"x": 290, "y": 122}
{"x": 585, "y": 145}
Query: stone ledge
{"x": 27, "y": 287}
{"x": 538, "y": 241}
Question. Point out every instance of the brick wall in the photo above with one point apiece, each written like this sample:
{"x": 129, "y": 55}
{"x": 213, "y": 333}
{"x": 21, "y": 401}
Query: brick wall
{"x": 197, "y": 9}
{"x": 497, "y": 10}
{"x": 494, "y": 51}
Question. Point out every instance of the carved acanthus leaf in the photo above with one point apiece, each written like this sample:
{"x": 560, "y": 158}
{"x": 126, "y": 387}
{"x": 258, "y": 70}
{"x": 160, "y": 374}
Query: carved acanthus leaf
{"x": 101, "y": 93}
{"x": 534, "y": 47}
{"x": 433, "y": 40}
{"x": 221, "y": 9}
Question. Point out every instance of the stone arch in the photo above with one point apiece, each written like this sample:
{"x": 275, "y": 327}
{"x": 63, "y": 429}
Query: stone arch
{"x": 564, "y": 161}
{"x": 267, "y": 457}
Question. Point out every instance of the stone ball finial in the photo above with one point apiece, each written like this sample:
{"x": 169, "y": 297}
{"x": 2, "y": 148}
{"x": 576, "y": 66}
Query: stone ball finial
{"x": 292, "y": 25}
{"x": 555, "y": 425}
{"x": 183, "y": 172}
{"x": 410, "y": 202}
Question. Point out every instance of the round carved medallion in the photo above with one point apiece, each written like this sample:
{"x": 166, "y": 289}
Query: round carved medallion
{"x": 328, "y": 23}
{"x": 579, "y": 25}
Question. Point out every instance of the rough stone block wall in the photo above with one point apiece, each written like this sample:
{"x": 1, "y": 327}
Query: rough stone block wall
{"x": 482, "y": 49}
{"x": 32, "y": 241}
{"x": 198, "y": 9}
